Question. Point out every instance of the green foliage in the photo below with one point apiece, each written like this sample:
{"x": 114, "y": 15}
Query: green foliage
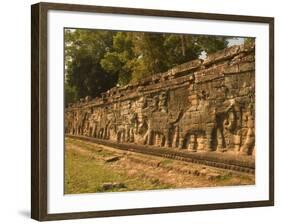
{"x": 249, "y": 41}
{"x": 117, "y": 62}
{"x": 70, "y": 94}
{"x": 180, "y": 49}
{"x": 84, "y": 50}
{"x": 150, "y": 56}
{"x": 211, "y": 44}
{"x": 98, "y": 60}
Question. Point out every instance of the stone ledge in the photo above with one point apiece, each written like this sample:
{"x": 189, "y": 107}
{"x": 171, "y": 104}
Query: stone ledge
{"x": 224, "y": 160}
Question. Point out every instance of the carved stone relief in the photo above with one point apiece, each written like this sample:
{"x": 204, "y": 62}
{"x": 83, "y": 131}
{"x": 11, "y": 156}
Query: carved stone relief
{"x": 209, "y": 109}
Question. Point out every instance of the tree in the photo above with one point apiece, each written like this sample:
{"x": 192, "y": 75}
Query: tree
{"x": 98, "y": 60}
{"x": 180, "y": 48}
{"x": 211, "y": 44}
{"x": 117, "y": 61}
{"x": 249, "y": 41}
{"x": 70, "y": 94}
{"x": 135, "y": 55}
{"x": 84, "y": 50}
{"x": 150, "y": 55}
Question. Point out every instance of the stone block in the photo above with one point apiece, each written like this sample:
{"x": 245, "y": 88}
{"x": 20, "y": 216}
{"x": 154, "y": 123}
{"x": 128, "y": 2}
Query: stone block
{"x": 245, "y": 67}
{"x": 110, "y": 186}
{"x": 231, "y": 69}
{"x": 213, "y": 176}
{"x": 221, "y": 55}
{"x": 112, "y": 159}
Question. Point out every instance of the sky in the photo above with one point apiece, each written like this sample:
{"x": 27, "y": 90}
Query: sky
{"x": 235, "y": 41}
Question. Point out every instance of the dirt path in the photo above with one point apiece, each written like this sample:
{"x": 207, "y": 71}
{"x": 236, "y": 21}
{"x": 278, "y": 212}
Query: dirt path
{"x": 176, "y": 174}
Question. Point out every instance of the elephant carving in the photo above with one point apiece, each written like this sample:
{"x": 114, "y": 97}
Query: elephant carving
{"x": 206, "y": 119}
{"x": 160, "y": 125}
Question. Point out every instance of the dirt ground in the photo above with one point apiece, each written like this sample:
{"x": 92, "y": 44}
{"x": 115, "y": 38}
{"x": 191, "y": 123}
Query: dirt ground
{"x": 90, "y": 167}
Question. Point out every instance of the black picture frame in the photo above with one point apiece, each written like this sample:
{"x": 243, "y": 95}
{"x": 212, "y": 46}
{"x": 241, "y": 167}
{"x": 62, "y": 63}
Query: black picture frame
{"x": 39, "y": 108}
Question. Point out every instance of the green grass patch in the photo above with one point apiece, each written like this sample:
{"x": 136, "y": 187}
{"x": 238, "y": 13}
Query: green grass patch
{"x": 84, "y": 174}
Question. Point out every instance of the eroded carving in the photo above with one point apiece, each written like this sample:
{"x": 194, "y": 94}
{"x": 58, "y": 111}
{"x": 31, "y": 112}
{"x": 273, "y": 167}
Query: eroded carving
{"x": 207, "y": 109}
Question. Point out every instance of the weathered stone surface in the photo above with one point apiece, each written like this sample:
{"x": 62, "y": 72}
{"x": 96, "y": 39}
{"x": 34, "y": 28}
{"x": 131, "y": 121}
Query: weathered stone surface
{"x": 203, "y": 172}
{"x": 185, "y": 68}
{"x": 109, "y": 186}
{"x": 222, "y": 55}
{"x": 213, "y": 176}
{"x": 112, "y": 159}
{"x": 197, "y": 106}
{"x": 248, "y": 66}
{"x": 232, "y": 69}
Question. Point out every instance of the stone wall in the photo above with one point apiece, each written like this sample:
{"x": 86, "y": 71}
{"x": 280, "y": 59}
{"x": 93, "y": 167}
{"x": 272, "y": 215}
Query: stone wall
{"x": 201, "y": 105}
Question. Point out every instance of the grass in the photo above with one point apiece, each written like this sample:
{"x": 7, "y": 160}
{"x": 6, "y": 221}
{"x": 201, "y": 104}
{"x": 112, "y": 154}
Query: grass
{"x": 86, "y": 174}
{"x": 86, "y": 171}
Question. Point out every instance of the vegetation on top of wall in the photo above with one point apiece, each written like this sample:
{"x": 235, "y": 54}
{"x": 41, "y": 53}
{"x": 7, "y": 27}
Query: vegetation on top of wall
{"x": 96, "y": 60}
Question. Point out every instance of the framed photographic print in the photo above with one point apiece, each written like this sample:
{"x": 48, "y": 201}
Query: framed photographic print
{"x": 139, "y": 111}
